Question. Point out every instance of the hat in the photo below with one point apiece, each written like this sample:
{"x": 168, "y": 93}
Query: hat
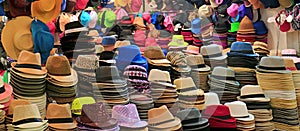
{"x": 15, "y": 103}
{"x": 192, "y": 50}
{"x": 196, "y": 26}
{"x": 108, "y": 74}
{"x": 252, "y": 92}
{"x": 164, "y": 34}
{"x": 286, "y": 3}
{"x": 205, "y": 11}
{"x": 46, "y": 10}
{"x": 246, "y": 26}
{"x": 5, "y": 90}
{"x": 213, "y": 52}
{"x": 178, "y": 61}
{"x": 214, "y": 3}
{"x": 81, "y": 4}
{"x": 94, "y": 19}
{"x": 260, "y": 28}
{"x": 75, "y": 28}
{"x": 232, "y": 10}
{"x": 224, "y": 74}
{"x": 60, "y": 117}
{"x": 238, "y": 109}
{"x": 42, "y": 38}
{"x": 272, "y": 64}
{"x": 18, "y": 8}
{"x": 211, "y": 98}
{"x": 60, "y": 70}
{"x": 79, "y": 102}
{"x": 234, "y": 27}
{"x": 121, "y": 3}
{"x": 155, "y": 55}
{"x": 109, "y": 18}
{"x": 130, "y": 54}
{"x": 84, "y": 18}
{"x": 160, "y": 77}
{"x": 178, "y": 40}
{"x": 260, "y": 45}
{"x": 136, "y": 5}
{"x": 196, "y": 62}
{"x": 191, "y": 118}
{"x": 122, "y": 43}
{"x": 161, "y": 118}
{"x": 120, "y": 13}
{"x": 139, "y": 22}
{"x": 289, "y": 52}
{"x": 128, "y": 116}
{"x": 16, "y": 36}
{"x": 126, "y": 20}
{"x": 63, "y": 19}
{"x": 219, "y": 116}
{"x": 108, "y": 41}
{"x": 242, "y": 49}
{"x": 29, "y": 63}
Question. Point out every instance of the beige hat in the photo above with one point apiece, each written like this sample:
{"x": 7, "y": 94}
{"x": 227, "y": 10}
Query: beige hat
{"x": 160, "y": 77}
{"x": 272, "y": 64}
{"x": 205, "y": 11}
{"x": 60, "y": 117}
{"x": 122, "y": 43}
{"x": 196, "y": 62}
{"x": 161, "y": 118}
{"x": 252, "y": 93}
{"x": 238, "y": 109}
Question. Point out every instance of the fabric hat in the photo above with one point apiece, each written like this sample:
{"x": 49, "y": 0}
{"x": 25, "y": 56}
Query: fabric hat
{"x": 84, "y": 18}
{"x": 160, "y": 77}
{"x": 224, "y": 74}
{"x": 108, "y": 41}
{"x": 196, "y": 62}
{"x": 130, "y": 54}
{"x": 178, "y": 40}
{"x": 238, "y": 109}
{"x": 205, "y": 11}
{"x": 219, "y": 112}
{"x": 59, "y": 69}
{"x": 242, "y": 49}
{"x": 213, "y": 52}
{"x": 81, "y": 4}
{"x": 252, "y": 92}
{"x": 161, "y": 118}
{"x": 260, "y": 28}
{"x": 232, "y": 10}
{"x": 60, "y": 116}
{"x": 127, "y": 116}
{"x": 139, "y": 22}
{"x": 79, "y": 102}
{"x": 70, "y": 5}
{"x": 192, "y": 50}
{"x": 191, "y": 117}
{"x": 34, "y": 61}
{"x": 46, "y": 10}
{"x": 273, "y": 64}
{"x": 195, "y": 25}
{"x": 109, "y": 18}
{"x": 178, "y": 61}
{"x": 18, "y": 8}
{"x": 42, "y": 38}
{"x": 16, "y": 36}
{"x": 234, "y": 27}
{"x": 246, "y": 26}
{"x": 5, "y": 90}
{"x": 211, "y": 98}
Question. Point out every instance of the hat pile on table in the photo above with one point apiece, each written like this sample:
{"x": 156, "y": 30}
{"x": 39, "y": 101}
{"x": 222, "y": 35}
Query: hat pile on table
{"x": 156, "y": 58}
{"x": 85, "y": 67}
{"x": 246, "y": 32}
{"x": 296, "y": 79}
{"x": 95, "y": 117}
{"x": 27, "y": 117}
{"x": 261, "y": 48}
{"x": 213, "y": 56}
{"x": 219, "y": 117}
{"x": 6, "y": 96}
{"x": 76, "y": 43}
{"x": 207, "y": 28}
{"x": 244, "y": 120}
{"x": 110, "y": 87}
{"x": 28, "y": 80}
{"x": 161, "y": 119}
{"x": 163, "y": 91}
{"x": 189, "y": 96}
{"x": 61, "y": 80}
{"x": 199, "y": 71}
{"x": 191, "y": 119}
{"x": 137, "y": 77}
{"x": 128, "y": 118}
{"x": 271, "y": 73}
{"x": 258, "y": 105}
{"x": 179, "y": 67}
{"x": 222, "y": 81}
{"x": 143, "y": 104}
{"x": 14, "y": 103}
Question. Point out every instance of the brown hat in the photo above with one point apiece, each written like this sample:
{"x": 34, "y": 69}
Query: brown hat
{"x": 155, "y": 55}
{"x": 60, "y": 117}
{"x": 122, "y": 43}
{"x": 15, "y": 103}
{"x": 178, "y": 61}
{"x": 161, "y": 118}
{"x": 196, "y": 62}
{"x": 246, "y": 26}
{"x": 18, "y": 8}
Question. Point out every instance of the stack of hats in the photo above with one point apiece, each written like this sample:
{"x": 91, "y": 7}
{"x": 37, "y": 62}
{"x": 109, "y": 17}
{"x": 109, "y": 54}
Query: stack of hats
{"x": 128, "y": 118}
{"x": 137, "y": 79}
{"x": 258, "y": 105}
{"x": 179, "y": 67}
{"x": 219, "y": 118}
{"x": 156, "y": 59}
{"x": 177, "y": 43}
{"x": 271, "y": 73}
{"x": 110, "y": 87}
{"x": 232, "y": 11}
{"x": 261, "y": 48}
{"x": 191, "y": 120}
{"x": 6, "y": 97}
{"x": 85, "y": 67}
{"x": 222, "y": 81}
{"x": 246, "y": 32}
{"x": 187, "y": 33}
{"x": 108, "y": 43}
{"x": 61, "y": 80}
{"x": 197, "y": 40}
{"x": 96, "y": 117}
{"x": 189, "y": 96}
{"x": 161, "y": 119}
{"x": 2, "y": 117}
{"x": 244, "y": 120}
{"x": 296, "y": 80}
{"x": 143, "y": 104}
{"x": 207, "y": 31}
{"x": 213, "y": 56}
{"x": 10, "y": 113}
{"x": 79, "y": 102}
{"x": 196, "y": 30}
{"x": 199, "y": 71}
{"x": 220, "y": 39}
{"x": 261, "y": 29}
{"x": 164, "y": 39}
{"x": 221, "y": 26}
{"x": 27, "y": 117}
{"x": 59, "y": 117}
{"x": 163, "y": 91}
{"x": 76, "y": 42}
{"x": 28, "y": 80}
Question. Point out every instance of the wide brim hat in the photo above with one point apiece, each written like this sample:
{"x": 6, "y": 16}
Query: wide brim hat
{"x": 50, "y": 14}
{"x": 16, "y": 36}
{"x": 70, "y": 78}
{"x": 31, "y": 71}
{"x": 249, "y": 118}
{"x": 63, "y": 126}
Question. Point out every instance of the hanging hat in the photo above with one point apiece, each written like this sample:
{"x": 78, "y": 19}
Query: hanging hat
{"x": 60, "y": 117}
{"x": 94, "y": 19}
{"x": 238, "y": 109}
{"x": 70, "y": 5}
{"x": 109, "y": 18}
{"x": 81, "y": 4}
{"x": 121, "y": 3}
{"x": 161, "y": 118}
{"x": 246, "y": 26}
{"x": 51, "y": 27}
{"x": 213, "y": 52}
{"x": 16, "y": 36}
{"x": 196, "y": 26}
{"x": 136, "y": 5}
{"x": 232, "y": 10}
{"x": 46, "y": 10}
{"x": 120, "y": 13}
{"x": 196, "y": 62}
{"x": 18, "y": 8}
{"x": 79, "y": 102}
{"x": 272, "y": 64}
{"x": 205, "y": 11}
{"x": 242, "y": 49}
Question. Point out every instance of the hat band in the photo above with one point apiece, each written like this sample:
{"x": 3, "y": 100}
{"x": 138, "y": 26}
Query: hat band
{"x": 29, "y": 120}
{"x": 223, "y": 117}
{"x": 212, "y": 56}
{"x": 194, "y": 120}
{"x": 138, "y": 78}
{"x": 187, "y": 89}
{"x": 60, "y": 120}
{"x": 76, "y": 30}
{"x": 243, "y": 51}
{"x": 252, "y": 96}
{"x": 271, "y": 68}
{"x": 198, "y": 66}
{"x": 2, "y": 89}
{"x": 223, "y": 77}
{"x": 164, "y": 81}
{"x": 163, "y": 122}
{"x": 28, "y": 66}
{"x": 289, "y": 55}
{"x": 59, "y": 74}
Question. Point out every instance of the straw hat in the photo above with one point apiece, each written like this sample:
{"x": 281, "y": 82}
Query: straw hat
{"x": 252, "y": 93}
{"x": 16, "y": 36}
{"x": 155, "y": 55}
{"x": 192, "y": 49}
{"x": 15, "y": 103}
{"x": 238, "y": 109}
{"x": 162, "y": 116}
{"x": 46, "y": 10}
{"x": 272, "y": 64}
{"x": 160, "y": 77}
{"x": 56, "y": 112}
{"x": 196, "y": 62}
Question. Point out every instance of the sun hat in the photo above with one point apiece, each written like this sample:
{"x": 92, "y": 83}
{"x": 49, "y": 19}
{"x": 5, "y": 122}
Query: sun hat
{"x": 195, "y": 25}
{"x": 108, "y": 41}
{"x": 232, "y": 10}
{"x": 242, "y": 49}
{"x": 224, "y": 74}
{"x": 79, "y": 102}
{"x": 81, "y": 4}
{"x": 18, "y": 8}
{"x": 205, "y": 11}
{"x": 213, "y": 52}
{"x": 238, "y": 109}
{"x": 160, "y": 77}
{"x": 196, "y": 62}
{"x": 14, "y": 33}
{"x": 84, "y": 18}
{"x": 161, "y": 118}
{"x": 211, "y": 98}
{"x": 252, "y": 92}
{"x": 272, "y": 64}
{"x": 15, "y": 103}
{"x": 46, "y": 10}
{"x": 59, "y": 116}
{"x": 246, "y": 26}
{"x": 42, "y": 38}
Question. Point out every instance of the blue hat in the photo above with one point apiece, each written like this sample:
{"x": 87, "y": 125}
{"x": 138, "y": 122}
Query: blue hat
{"x": 260, "y": 28}
{"x": 270, "y": 3}
{"x": 196, "y": 25}
{"x": 42, "y": 38}
{"x": 63, "y": 5}
{"x": 241, "y": 49}
{"x": 108, "y": 40}
{"x": 84, "y": 18}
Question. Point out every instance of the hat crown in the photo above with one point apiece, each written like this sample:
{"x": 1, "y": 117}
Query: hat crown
{"x": 272, "y": 61}
{"x": 251, "y": 90}
{"x": 108, "y": 40}
{"x": 246, "y": 25}
{"x": 87, "y": 62}
{"x": 232, "y": 10}
{"x": 223, "y": 71}
{"x": 22, "y": 112}
{"x": 182, "y": 83}
{"x": 157, "y": 115}
{"x": 211, "y": 98}
{"x": 237, "y": 109}
{"x": 193, "y": 60}
{"x": 122, "y": 43}
{"x": 125, "y": 113}
{"x": 211, "y": 50}
{"x": 27, "y": 57}
{"x": 58, "y": 65}
{"x": 154, "y": 52}
{"x": 260, "y": 28}
{"x": 79, "y": 102}
{"x": 241, "y": 46}
{"x": 217, "y": 110}
{"x": 128, "y": 53}
{"x": 205, "y": 11}
{"x": 107, "y": 73}
{"x": 15, "y": 103}
{"x": 58, "y": 111}
{"x": 189, "y": 114}
{"x": 159, "y": 75}
{"x": 92, "y": 113}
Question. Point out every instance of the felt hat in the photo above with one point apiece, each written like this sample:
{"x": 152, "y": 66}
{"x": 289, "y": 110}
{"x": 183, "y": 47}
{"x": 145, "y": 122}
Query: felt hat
{"x": 122, "y": 43}
{"x": 108, "y": 41}
{"x": 81, "y": 4}
{"x": 205, "y": 11}
{"x": 238, "y": 109}
{"x": 46, "y": 10}
{"x": 18, "y": 8}
{"x": 196, "y": 25}
{"x": 232, "y": 10}
{"x": 79, "y": 102}
{"x": 221, "y": 114}
{"x": 272, "y": 64}
{"x": 241, "y": 49}
{"x": 160, "y": 77}
{"x": 74, "y": 29}
{"x": 59, "y": 116}
{"x": 109, "y": 18}
{"x": 161, "y": 118}
{"x": 196, "y": 62}
{"x": 16, "y": 36}
{"x": 234, "y": 27}
{"x": 260, "y": 28}
{"x": 130, "y": 54}
{"x": 213, "y": 52}
{"x": 84, "y": 18}
{"x": 246, "y": 26}
{"x": 108, "y": 74}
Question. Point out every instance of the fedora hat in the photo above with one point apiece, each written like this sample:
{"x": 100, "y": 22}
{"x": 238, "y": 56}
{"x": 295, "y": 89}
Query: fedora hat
{"x": 177, "y": 40}
{"x": 155, "y": 55}
{"x": 252, "y": 93}
{"x": 108, "y": 74}
{"x": 219, "y": 116}
{"x": 160, "y": 77}
{"x": 196, "y": 62}
{"x": 178, "y": 61}
{"x": 46, "y": 10}
{"x": 205, "y": 11}
{"x": 15, "y": 103}
{"x": 87, "y": 64}
{"x": 238, "y": 109}
{"x": 18, "y": 8}
{"x": 196, "y": 25}
{"x": 122, "y": 43}
{"x": 16, "y": 36}
{"x": 223, "y": 74}
{"x": 232, "y": 10}
{"x": 211, "y": 98}
{"x": 191, "y": 49}
{"x": 59, "y": 116}
{"x": 272, "y": 64}
{"x": 187, "y": 87}
{"x": 161, "y": 118}
{"x": 127, "y": 116}
{"x": 213, "y": 52}
{"x": 79, "y": 102}
{"x": 242, "y": 49}
{"x": 29, "y": 63}
{"x": 191, "y": 118}
{"x": 59, "y": 68}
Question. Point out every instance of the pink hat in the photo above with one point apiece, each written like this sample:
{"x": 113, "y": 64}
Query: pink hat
{"x": 289, "y": 52}
{"x": 139, "y": 37}
{"x": 168, "y": 22}
{"x": 136, "y": 5}
{"x": 6, "y": 90}
{"x": 94, "y": 18}
{"x": 51, "y": 27}
{"x": 219, "y": 2}
{"x": 81, "y": 4}
{"x": 233, "y": 10}
{"x": 150, "y": 41}
{"x": 147, "y": 17}
{"x": 128, "y": 116}
{"x": 121, "y": 13}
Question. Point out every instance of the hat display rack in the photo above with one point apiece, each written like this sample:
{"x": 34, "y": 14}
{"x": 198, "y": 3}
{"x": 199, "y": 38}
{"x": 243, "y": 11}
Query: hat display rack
{"x": 148, "y": 65}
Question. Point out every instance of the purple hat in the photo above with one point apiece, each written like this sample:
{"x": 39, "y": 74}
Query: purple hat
{"x": 245, "y": 11}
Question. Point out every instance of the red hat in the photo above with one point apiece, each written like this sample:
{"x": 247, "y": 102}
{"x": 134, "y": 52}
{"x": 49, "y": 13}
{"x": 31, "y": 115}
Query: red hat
{"x": 81, "y": 4}
{"x": 219, "y": 116}
{"x": 136, "y": 5}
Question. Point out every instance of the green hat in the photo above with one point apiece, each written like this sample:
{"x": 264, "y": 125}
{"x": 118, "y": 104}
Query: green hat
{"x": 107, "y": 18}
{"x": 234, "y": 27}
{"x": 178, "y": 40}
{"x": 79, "y": 102}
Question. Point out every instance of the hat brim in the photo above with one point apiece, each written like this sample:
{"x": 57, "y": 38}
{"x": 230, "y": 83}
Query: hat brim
{"x": 45, "y": 17}
{"x": 249, "y": 118}
{"x": 223, "y": 57}
{"x": 70, "y": 78}
{"x": 30, "y": 70}
{"x": 63, "y": 126}
{"x": 8, "y": 91}
{"x": 205, "y": 69}
{"x": 168, "y": 124}
{"x": 139, "y": 124}
{"x": 235, "y": 83}
{"x": 202, "y": 121}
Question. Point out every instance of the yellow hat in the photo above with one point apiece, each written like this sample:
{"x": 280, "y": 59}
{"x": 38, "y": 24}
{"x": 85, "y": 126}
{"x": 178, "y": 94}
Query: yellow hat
{"x": 79, "y": 102}
{"x": 46, "y": 10}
